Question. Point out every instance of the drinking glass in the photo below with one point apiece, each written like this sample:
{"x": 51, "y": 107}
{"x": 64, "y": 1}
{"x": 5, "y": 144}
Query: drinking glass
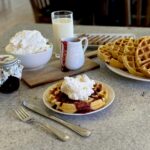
{"x": 62, "y": 23}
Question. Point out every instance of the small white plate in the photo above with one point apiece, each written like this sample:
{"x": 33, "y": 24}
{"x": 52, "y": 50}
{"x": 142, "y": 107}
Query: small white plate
{"x": 111, "y": 96}
{"x": 126, "y": 74}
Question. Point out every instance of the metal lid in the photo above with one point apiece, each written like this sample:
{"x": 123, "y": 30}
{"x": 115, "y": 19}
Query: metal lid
{"x": 9, "y": 66}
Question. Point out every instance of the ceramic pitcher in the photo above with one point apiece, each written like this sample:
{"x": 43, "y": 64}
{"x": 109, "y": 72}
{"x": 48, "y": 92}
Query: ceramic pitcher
{"x": 72, "y": 52}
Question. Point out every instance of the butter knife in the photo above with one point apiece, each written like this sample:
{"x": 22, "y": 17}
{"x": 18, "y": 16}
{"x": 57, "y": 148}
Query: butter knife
{"x": 81, "y": 131}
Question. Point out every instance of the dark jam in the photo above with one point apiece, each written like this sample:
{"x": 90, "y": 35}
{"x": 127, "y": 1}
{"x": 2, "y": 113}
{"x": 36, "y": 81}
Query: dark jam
{"x": 10, "y": 85}
{"x": 81, "y": 106}
{"x": 10, "y": 71}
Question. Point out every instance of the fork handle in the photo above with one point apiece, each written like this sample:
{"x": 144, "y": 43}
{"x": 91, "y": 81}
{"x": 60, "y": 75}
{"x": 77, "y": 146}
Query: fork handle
{"x": 59, "y": 134}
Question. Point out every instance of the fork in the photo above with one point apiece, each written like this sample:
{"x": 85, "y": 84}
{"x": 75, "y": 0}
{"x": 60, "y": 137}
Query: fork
{"x": 25, "y": 117}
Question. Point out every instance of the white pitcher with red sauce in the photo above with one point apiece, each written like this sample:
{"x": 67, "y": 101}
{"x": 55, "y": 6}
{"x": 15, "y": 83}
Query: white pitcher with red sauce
{"x": 72, "y": 53}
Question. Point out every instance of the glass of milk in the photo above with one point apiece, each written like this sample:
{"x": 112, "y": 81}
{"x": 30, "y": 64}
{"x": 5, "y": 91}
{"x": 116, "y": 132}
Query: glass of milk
{"x": 62, "y": 23}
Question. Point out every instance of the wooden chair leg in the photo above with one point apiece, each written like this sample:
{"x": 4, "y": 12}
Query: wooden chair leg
{"x": 139, "y": 12}
{"x": 128, "y": 12}
{"x": 148, "y": 13}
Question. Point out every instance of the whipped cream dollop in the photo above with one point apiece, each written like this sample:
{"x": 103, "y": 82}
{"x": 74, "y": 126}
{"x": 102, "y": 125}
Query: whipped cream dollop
{"x": 79, "y": 88}
{"x": 27, "y": 42}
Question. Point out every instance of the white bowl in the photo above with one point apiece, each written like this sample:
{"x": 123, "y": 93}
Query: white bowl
{"x": 36, "y": 60}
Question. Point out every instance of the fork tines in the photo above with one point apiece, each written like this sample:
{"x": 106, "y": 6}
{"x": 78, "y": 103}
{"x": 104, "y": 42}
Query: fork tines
{"x": 21, "y": 113}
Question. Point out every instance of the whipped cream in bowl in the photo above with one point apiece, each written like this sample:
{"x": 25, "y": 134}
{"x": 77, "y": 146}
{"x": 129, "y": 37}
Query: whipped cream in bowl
{"x": 31, "y": 47}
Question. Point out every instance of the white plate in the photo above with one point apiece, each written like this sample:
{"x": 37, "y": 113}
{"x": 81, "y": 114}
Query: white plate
{"x": 111, "y": 96}
{"x": 126, "y": 74}
{"x": 103, "y": 38}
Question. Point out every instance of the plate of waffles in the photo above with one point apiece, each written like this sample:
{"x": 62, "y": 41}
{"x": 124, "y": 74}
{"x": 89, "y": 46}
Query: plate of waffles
{"x": 59, "y": 102}
{"x": 128, "y": 57}
{"x": 126, "y": 74}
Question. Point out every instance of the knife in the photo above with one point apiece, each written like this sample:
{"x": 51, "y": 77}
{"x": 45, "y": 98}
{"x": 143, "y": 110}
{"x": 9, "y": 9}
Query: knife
{"x": 81, "y": 131}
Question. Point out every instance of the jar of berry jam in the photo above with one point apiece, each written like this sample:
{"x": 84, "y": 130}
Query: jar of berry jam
{"x": 10, "y": 73}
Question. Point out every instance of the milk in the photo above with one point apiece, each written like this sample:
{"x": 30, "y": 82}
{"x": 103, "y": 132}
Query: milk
{"x": 62, "y": 28}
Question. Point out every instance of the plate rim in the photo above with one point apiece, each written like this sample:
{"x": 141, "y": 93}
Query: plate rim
{"x": 109, "y": 101}
{"x": 126, "y": 74}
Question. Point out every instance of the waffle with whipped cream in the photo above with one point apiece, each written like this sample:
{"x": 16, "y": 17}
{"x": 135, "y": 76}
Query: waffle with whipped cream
{"x": 61, "y": 102}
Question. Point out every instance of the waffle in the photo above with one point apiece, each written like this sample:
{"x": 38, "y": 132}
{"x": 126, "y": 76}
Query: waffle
{"x": 146, "y": 69}
{"x": 142, "y": 56}
{"x": 115, "y": 63}
{"x": 129, "y": 63}
{"x": 62, "y": 102}
{"x": 143, "y": 52}
{"x": 105, "y": 54}
{"x": 129, "y": 58}
{"x": 119, "y": 47}
{"x": 131, "y": 48}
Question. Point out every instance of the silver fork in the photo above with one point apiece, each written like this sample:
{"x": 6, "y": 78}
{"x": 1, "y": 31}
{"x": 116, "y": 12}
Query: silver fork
{"x": 25, "y": 117}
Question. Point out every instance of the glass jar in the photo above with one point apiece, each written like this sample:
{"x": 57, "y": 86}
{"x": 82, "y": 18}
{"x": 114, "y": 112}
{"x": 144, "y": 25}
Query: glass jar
{"x": 10, "y": 73}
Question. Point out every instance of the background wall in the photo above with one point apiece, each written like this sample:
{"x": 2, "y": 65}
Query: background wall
{"x": 13, "y": 12}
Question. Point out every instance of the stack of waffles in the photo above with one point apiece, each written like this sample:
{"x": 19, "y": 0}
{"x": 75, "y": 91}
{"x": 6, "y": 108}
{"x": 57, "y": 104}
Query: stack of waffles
{"x": 128, "y": 54}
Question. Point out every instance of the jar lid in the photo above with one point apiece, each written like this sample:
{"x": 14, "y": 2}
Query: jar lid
{"x": 9, "y": 66}
{"x": 7, "y": 59}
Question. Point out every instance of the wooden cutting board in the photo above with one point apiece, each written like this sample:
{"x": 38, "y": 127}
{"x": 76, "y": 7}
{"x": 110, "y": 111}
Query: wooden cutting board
{"x": 52, "y": 72}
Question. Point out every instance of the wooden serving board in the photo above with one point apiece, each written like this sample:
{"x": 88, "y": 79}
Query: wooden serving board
{"x": 52, "y": 72}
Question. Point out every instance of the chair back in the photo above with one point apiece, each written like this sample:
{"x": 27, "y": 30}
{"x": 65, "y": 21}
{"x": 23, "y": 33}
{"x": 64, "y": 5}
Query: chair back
{"x": 137, "y": 12}
{"x": 41, "y": 10}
